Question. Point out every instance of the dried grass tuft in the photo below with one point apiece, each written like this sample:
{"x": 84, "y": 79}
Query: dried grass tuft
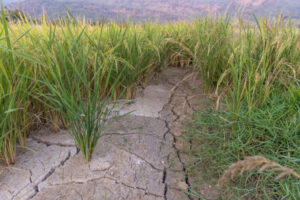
{"x": 254, "y": 162}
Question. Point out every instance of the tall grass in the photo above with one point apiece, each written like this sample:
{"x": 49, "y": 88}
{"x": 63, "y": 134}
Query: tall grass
{"x": 260, "y": 88}
{"x": 14, "y": 98}
{"x": 79, "y": 89}
{"x": 266, "y": 57}
{"x": 70, "y": 73}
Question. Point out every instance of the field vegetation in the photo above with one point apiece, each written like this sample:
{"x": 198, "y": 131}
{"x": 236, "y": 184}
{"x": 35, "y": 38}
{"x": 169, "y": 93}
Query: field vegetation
{"x": 70, "y": 73}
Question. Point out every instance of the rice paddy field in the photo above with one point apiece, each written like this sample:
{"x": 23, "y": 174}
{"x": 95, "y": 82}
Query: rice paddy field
{"x": 69, "y": 73}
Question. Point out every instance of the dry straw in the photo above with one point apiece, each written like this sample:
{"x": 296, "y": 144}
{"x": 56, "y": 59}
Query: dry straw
{"x": 254, "y": 162}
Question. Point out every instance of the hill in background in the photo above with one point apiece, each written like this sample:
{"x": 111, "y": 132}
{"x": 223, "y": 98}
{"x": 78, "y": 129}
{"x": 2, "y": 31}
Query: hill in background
{"x": 161, "y": 10}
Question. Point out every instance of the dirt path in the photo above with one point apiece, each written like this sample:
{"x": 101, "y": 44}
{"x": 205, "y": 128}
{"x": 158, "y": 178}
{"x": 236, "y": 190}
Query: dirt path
{"x": 137, "y": 158}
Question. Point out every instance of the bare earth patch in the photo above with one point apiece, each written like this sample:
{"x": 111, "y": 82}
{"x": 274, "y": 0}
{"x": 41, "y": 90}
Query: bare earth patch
{"x": 137, "y": 158}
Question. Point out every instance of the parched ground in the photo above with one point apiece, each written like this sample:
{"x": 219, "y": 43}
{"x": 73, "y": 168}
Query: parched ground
{"x": 137, "y": 158}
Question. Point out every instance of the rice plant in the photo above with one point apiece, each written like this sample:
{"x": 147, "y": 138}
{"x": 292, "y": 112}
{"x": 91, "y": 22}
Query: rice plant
{"x": 69, "y": 73}
{"x": 14, "y": 99}
{"x": 79, "y": 88}
{"x": 260, "y": 115}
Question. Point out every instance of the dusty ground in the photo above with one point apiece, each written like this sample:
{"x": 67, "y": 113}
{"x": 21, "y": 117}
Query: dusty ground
{"x": 137, "y": 158}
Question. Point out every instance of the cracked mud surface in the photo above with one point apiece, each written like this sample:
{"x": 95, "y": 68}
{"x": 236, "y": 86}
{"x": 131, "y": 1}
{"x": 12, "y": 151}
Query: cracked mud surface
{"x": 137, "y": 158}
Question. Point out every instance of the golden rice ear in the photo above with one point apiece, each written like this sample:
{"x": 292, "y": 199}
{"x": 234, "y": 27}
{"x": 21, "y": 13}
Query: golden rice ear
{"x": 253, "y": 162}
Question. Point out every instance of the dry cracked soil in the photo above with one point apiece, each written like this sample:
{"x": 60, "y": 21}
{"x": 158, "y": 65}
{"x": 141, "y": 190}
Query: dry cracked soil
{"x": 137, "y": 158}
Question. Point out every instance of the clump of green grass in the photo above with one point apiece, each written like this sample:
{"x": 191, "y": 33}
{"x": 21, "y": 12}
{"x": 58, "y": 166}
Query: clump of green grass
{"x": 272, "y": 131}
{"x": 211, "y": 47}
{"x": 260, "y": 86}
{"x": 79, "y": 89}
{"x": 264, "y": 58}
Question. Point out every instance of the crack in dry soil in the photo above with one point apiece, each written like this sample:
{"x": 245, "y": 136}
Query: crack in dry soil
{"x": 50, "y": 172}
{"x": 179, "y": 158}
{"x": 146, "y": 192}
{"x": 168, "y": 115}
{"x": 47, "y": 143}
{"x": 175, "y": 117}
{"x": 15, "y": 195}
{"x": 136, "y": 155}
{"x": 128, "y": 134}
